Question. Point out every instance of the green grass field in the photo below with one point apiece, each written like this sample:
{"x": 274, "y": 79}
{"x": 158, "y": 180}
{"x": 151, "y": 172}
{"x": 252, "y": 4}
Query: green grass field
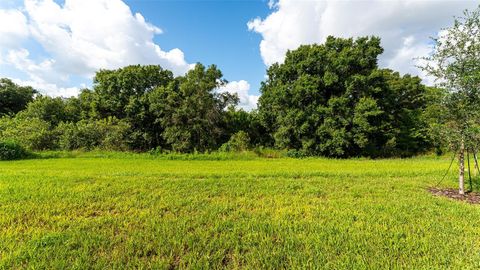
{"x": 135, "y": 211}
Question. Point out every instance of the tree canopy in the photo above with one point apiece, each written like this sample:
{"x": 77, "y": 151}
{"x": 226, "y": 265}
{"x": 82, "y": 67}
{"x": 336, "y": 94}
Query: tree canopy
{"x": 14, "y": 98}
{"x": 455, "y": 63}
{"x": 181, "y": 114}
{"x": 190, "y": 111}
{"x": 327, "y": 99}
{"x": 333, "y": 100}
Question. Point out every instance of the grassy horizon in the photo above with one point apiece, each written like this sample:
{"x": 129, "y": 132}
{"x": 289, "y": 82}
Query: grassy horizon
{"x": 111, "y": 210}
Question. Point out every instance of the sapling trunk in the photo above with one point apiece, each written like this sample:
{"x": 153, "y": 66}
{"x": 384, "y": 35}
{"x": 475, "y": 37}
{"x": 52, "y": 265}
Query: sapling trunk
{"x": 475, "y": 165}
{"x": 461, "y": 173}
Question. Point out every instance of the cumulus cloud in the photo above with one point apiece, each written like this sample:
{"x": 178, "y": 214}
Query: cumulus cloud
{"x": 241, "y": 88}
{"x": 40, "y": 74}
{"x": 80, "y": 37}
{"x": 13, "y": 28}
{"x": 404, "y": 26}
{"x": 53, "y": 90}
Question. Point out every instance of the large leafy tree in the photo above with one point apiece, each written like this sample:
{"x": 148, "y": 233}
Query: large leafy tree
{"x": 455, "y": 63}
{"x": 332, "y": 100}
{"x": 184, "y": 114}
{"x": 191, "y": 111}
{"x": 124, "y": 94}
{"x": 14, "y": 98}
{"x": 120, "y": 90}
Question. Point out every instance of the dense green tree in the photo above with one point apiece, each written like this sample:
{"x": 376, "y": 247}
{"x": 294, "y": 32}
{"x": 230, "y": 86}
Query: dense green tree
{"x": 329, "y": 99}
{"x": 191, "y": 111}
{"x": 403, "y": 101}
{"x": 14, "y": 98}
{"x": 124, "y": 94}
{"x": 434, "y": 117}
{"x": 108, "y": 134}
{"x": 119, "y": 91}
{"x": 237, "y": 120}
{"x": 332, "y": 100}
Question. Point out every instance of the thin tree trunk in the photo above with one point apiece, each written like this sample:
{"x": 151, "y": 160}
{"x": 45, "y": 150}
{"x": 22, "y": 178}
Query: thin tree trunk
{"x": 469, "y": 174}
{"x": 461, "y": 174}
{"x": 475, "y": 166}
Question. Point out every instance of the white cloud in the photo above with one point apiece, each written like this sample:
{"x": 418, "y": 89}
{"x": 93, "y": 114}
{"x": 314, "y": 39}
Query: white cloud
{"x": 404, "y": 26}
{"x": 241, "y": 88}
{"x": 41, "y": 74}
{"x": 52, "y": 89}
{"x": 79, "y": 38}
{"x": 85, "y": 35}
{"x": 13, "y": 28}
{"x": 43, "y": 71}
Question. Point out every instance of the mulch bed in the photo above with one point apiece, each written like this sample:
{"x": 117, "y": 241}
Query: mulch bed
{"x": 471, "y": 197}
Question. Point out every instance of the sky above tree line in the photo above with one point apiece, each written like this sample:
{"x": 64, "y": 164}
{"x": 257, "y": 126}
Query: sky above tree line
{"x": 56, "y": 46}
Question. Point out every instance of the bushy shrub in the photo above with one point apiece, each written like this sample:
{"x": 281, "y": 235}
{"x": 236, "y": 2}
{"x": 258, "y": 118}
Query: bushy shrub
{"x": 31, "y": 133}
{"x": 239, "y": 142}
{"x": 106, "y": 134}
{"x": 77, "y": 135}
{"x": 296, "y": 153}
{"x": 52, "y": 110}
{"x": 12, "y": 151}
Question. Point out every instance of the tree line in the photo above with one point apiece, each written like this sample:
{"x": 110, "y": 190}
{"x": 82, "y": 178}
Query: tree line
{"x": 327, "y": 99}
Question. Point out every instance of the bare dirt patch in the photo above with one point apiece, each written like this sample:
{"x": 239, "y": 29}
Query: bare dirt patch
{"x": 471, "y": 197}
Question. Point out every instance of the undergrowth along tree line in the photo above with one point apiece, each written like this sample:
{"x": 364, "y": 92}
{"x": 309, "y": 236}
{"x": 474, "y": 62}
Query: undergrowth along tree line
{"x": 328, "y": 99}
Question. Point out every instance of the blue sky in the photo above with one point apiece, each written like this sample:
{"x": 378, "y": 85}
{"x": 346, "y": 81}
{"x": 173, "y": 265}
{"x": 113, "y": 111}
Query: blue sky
{"x": 211, "y": 32}
{"x": 57, "y": 45}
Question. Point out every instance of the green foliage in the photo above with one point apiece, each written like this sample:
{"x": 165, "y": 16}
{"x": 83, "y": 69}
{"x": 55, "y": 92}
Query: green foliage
{"x": 191, "y": 111}
{"x": 329, "y": 100}
{"x": 237, "y": 120}
{"x": 153, "y": 109}
{"x": 434, "y": 116}
{"x": 124, "y": 94}
{"x": 119, "y": 92}
{"x": 455, "y": 63}
{"x": 183, "y": 114}
{"x": 31, "y": 133}
{"x": 52, "y": 110}
{"x": 14, "y": 98}
{"x": 332, "y": 100}
{"x": 12, "y": 151}
{"x": 106, "y": 134}
{"x": 239, "y": 142}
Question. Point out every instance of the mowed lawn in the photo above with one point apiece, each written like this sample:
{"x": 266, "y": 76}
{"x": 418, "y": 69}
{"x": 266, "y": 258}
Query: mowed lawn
{"x": 135, "y": 211}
